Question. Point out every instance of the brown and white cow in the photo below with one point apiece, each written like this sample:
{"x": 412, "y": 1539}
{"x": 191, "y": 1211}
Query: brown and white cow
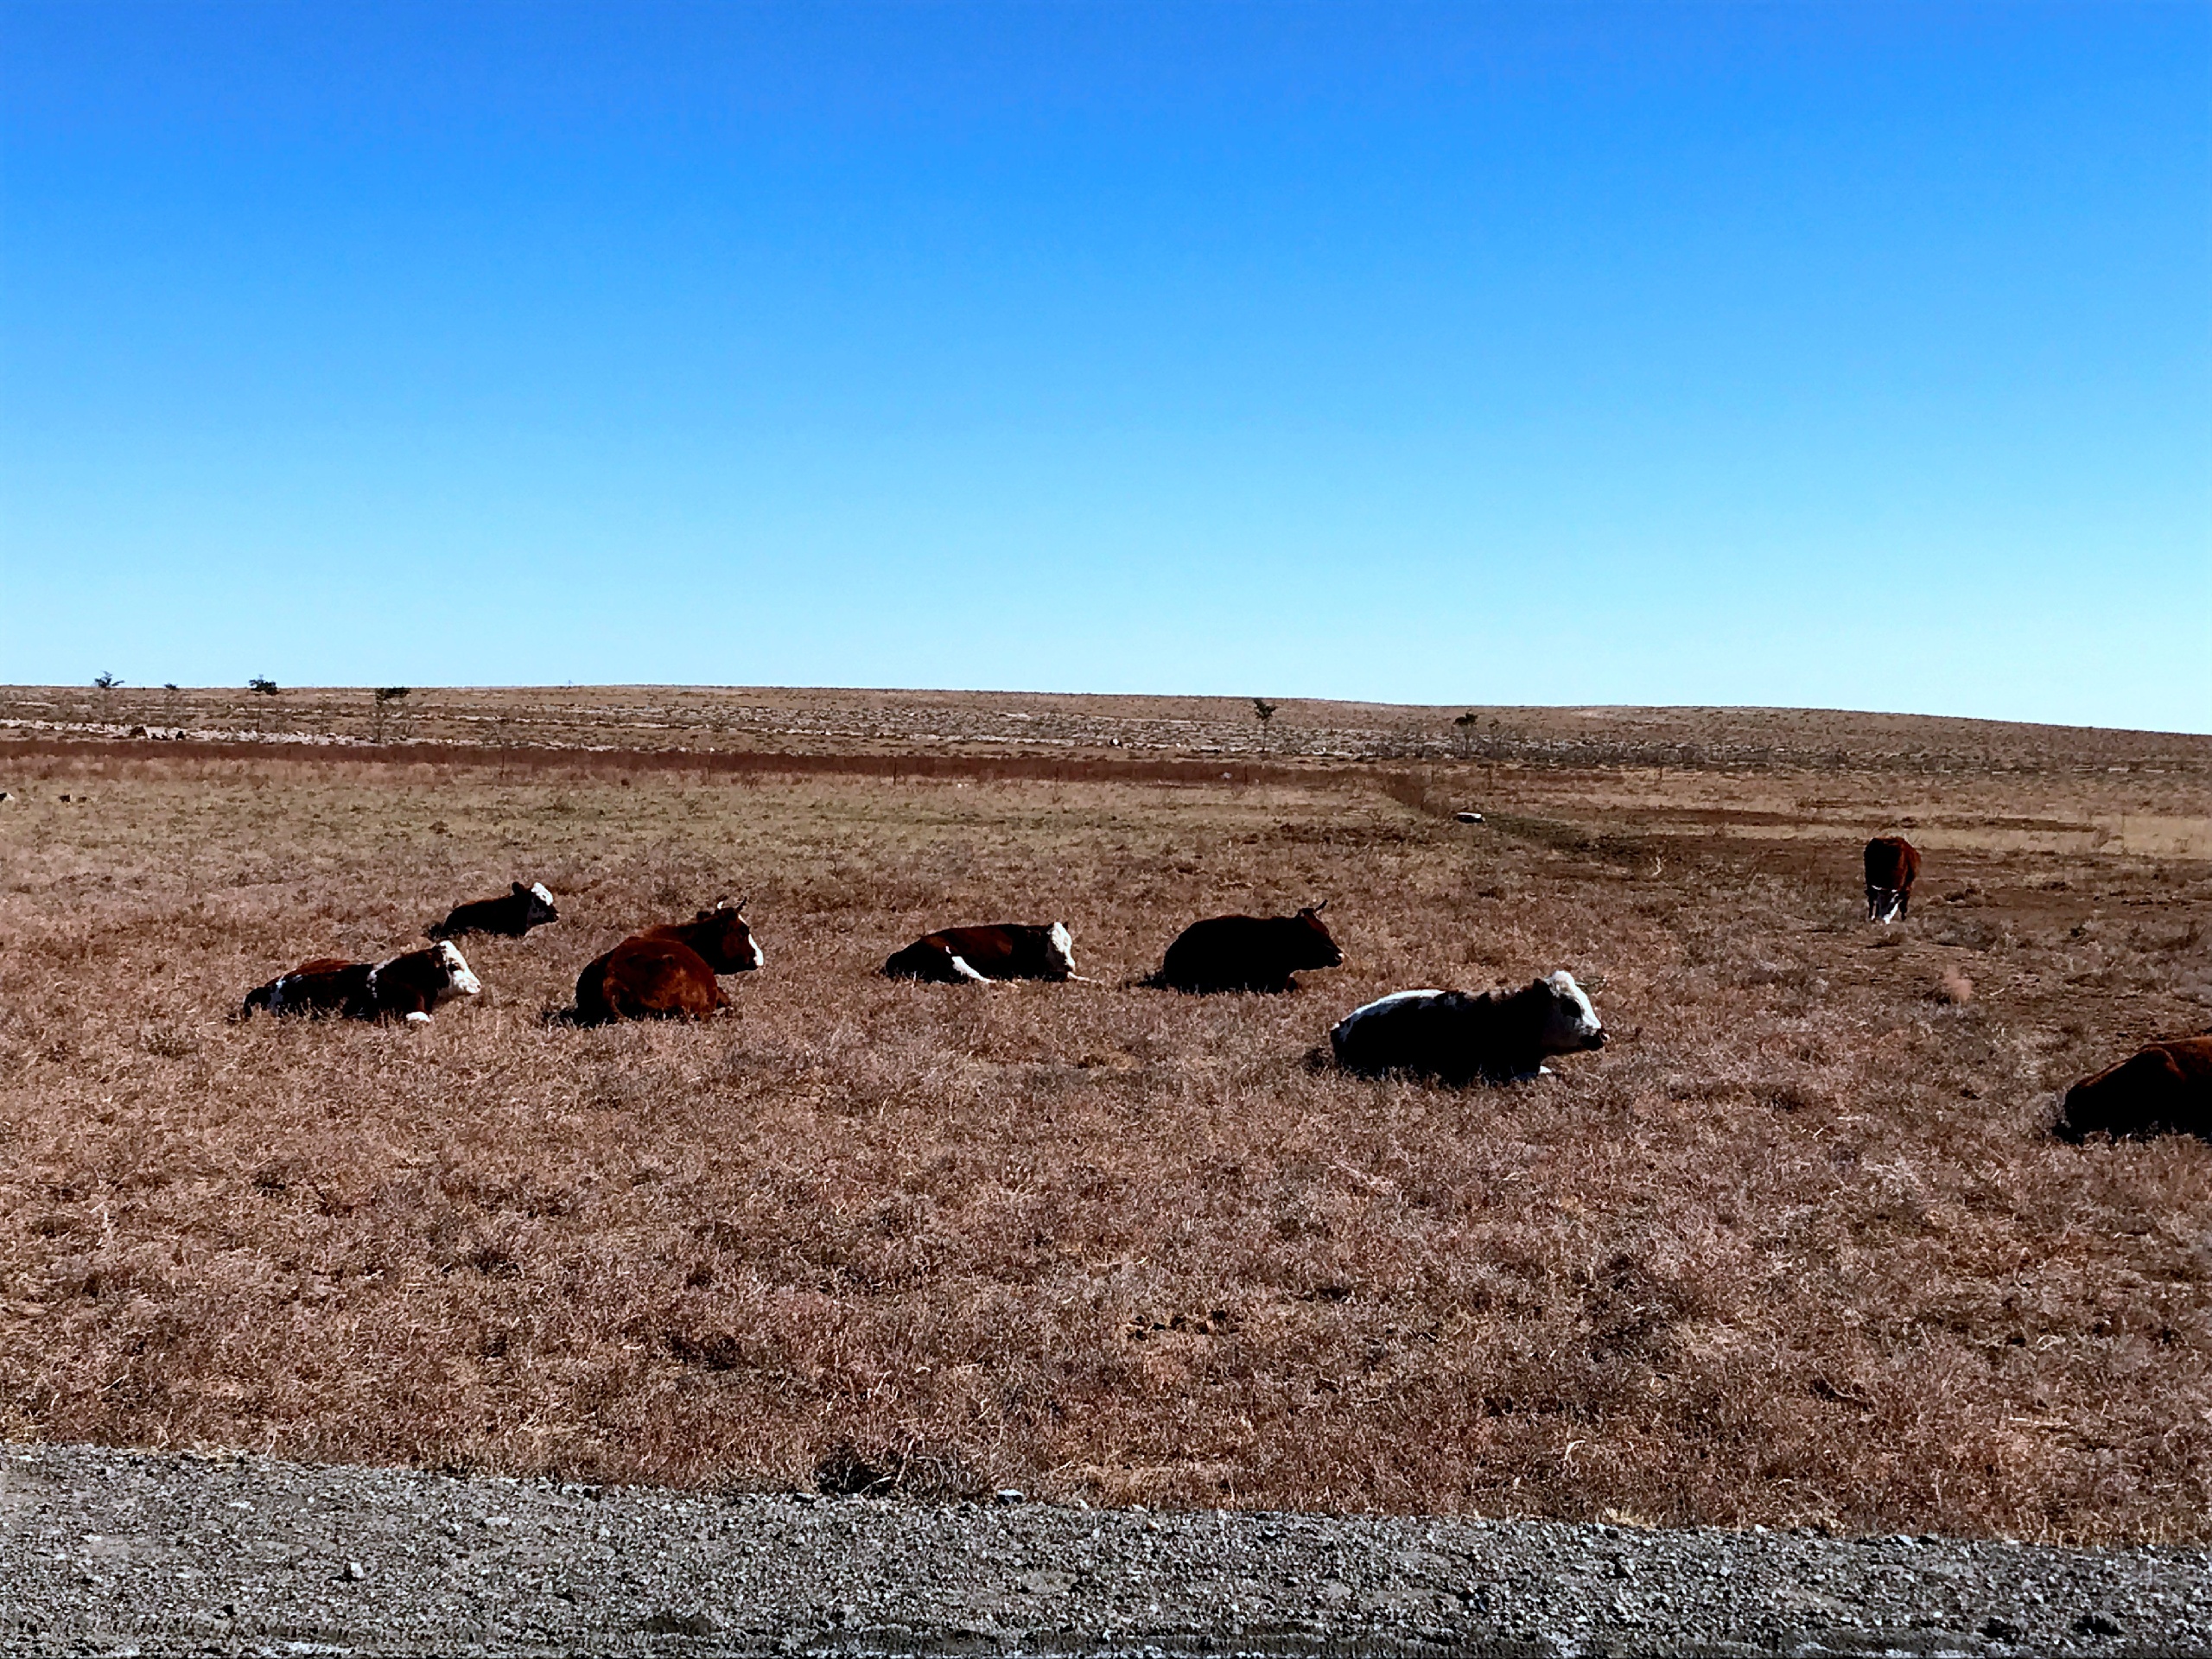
{"x": 1248, "y": 953}
{"x": 413, "y": 985}
{"x": 1892, "y": 862}
{"x": 1000, "y": 950}
{"x": 512, "y": 915}
{"x": 1457, "y": 1038}
{"x": 2162, "y": 1089}
{"x": 646, "y": 978}
{"x": 720, "y": 936}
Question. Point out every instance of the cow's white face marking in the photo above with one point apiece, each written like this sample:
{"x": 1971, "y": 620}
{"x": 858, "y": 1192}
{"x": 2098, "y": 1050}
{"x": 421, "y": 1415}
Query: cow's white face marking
{"x": 758, "y": 959}
{"x": 459, "y": 982}
{"x": 1063, "y": 948}
{"x": 1573, "y": 1022}
{"x": 960, "y": 966}
{"x": 418, "y": 1018}
{"x": 537, "y": 892}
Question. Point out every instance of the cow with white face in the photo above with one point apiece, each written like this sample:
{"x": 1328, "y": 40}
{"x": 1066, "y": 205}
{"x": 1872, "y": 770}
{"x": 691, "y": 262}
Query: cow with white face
{"x": 1458, "y": 1038}
{"x": 413, "y": 986}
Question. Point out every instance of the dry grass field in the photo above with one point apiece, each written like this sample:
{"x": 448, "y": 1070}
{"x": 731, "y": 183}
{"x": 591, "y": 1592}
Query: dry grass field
{"x": 1794, "y": 1248}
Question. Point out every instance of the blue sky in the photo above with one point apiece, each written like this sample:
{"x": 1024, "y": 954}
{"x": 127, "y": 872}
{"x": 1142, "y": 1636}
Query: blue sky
{"x": 1794, "y": 354}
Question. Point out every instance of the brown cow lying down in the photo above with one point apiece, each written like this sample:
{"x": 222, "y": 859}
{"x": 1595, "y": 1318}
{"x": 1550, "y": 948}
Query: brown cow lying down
{"x": 413, "y": 985}
{"x": 1458, "y": 1038}
{"x": 1002, "y": 951}
{"x": 720, "y": 935}
{"x": 645, "y": 978}
{"x": 1248, "y": 953}
{"x": 2166, "y": 1089}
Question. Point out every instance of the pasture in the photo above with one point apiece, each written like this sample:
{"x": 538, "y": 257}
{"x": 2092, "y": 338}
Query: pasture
{"x": 1794, "y": 1248}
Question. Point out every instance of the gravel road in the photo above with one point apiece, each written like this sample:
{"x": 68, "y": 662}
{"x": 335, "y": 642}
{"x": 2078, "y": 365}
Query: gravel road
{"x": 125, "y": 1552}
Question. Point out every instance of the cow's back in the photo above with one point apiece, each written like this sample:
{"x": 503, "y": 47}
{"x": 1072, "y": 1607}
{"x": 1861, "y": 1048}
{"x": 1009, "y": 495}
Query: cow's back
{"x": 646, "y": 978}
{"x": 2163, "y": 1088}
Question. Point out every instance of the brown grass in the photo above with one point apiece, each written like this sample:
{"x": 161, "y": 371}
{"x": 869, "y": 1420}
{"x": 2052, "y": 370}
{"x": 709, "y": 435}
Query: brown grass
{"x": 1795, "y": 1248}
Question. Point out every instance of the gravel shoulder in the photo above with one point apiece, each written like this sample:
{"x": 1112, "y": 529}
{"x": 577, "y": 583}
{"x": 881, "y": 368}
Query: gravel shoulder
{"x": 115, "y": 1552}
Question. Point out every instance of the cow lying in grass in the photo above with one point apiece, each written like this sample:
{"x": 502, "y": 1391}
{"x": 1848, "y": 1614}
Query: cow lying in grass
{"x": 645, "y": 978}
{"x": 513, "y": 915}
{"x": 413, "y": 985}
{"x": 720, "y": 935}
{"x": 2164, "y": 1089}
{"x": 1000, "y": 951}
{"x": 1458, "y": 1039}
{"x": 1248, "y": 953}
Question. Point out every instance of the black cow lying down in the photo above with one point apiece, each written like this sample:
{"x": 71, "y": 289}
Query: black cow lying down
{"x": 521, "y": 909}
{"x": 2164, "y": 1089}
{"x": 1002, "y": 951}
{"x": 1248, "y": 953}
{"x": 1458, "y": 1038}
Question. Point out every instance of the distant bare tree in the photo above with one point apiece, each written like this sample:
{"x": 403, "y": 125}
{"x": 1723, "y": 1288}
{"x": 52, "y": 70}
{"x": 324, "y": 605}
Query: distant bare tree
{"x": 267, "y": 688}
{"x": 1266, "y": 711}
{"x": 106, "y": 682}
{"x": 1467, "y": 723}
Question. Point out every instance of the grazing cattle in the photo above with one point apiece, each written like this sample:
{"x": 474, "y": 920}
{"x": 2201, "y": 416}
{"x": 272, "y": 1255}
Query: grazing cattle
{"x": 1002, "y": 950}
{"x": 522, "y": 909}
{"x": 646, "y": 978}
{"x": 413, "y": 985}
{"x": 720, "y": 935}
{"x": 1248, "y": 953}
{"x": 1892, "y": 864}
{"x": 2164, "y": 1089}
{"x": 1458, "y": 1038}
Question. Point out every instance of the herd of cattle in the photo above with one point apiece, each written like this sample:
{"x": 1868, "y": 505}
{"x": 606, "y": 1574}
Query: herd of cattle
{"x": 674, "y": 970}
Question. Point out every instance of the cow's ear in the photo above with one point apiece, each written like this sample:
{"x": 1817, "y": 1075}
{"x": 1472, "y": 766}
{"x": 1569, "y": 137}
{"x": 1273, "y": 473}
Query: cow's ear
{"x": 1315, "y": 910}
{"x": 520, "y": 891}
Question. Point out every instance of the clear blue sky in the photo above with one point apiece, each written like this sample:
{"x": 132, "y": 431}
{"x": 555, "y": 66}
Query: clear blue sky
{"x": 1548, "y": 352}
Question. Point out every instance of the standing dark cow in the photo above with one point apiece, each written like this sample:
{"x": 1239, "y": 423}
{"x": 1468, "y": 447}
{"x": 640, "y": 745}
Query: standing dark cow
{"x": 720, "y": 935}
{"x": 513, "y": 915}
{"x": 1248, "y": 953}
{"x": 1458, "y": 1038}
{"x": 1892, "y": 863}
{"x": 1002, "y": 951}
{"x": 412, "y": 985}
{"x": 646, "y": 978}
{"x": 2164, "y": 1089}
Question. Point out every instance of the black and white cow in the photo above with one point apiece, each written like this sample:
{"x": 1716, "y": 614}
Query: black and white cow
{"x": 413, "y": 985}
{"x": 1458, "y": 1038}
{"x": 521, "y": 909}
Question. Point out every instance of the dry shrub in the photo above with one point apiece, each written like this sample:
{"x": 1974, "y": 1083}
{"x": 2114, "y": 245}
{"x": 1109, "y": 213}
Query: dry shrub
{"x": 1793, "y": 1248}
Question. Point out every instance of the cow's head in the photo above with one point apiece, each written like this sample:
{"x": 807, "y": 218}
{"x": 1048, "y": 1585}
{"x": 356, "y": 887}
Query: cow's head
{"x": 1059, "y": 948}
{"x": 1570, "y": 1023}
{"x": 537, "y": 904}
{"x": 457, "y": 980}
{"x": 724, "y": 939}
{"x": 1883, "y": 904}
{"x": 1315, "y": 947}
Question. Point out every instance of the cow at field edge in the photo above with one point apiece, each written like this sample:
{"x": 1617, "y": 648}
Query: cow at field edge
{"x": 1892, "y": 862}
{"x": 512, "y": 916}
{"x": 1000, "y": 951}
{"x": 1458, "y": 1038}
{"x": 1248, "y": 953}
{"x": 720, "y": 936}
{"x": 2162, "y": 1089}
{"x": 414, "y": 985}
{"x": 646, "y": 978}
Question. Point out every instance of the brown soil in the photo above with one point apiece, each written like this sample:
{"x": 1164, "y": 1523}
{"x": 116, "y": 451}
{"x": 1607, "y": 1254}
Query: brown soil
{"x": 1795, "y": 1248}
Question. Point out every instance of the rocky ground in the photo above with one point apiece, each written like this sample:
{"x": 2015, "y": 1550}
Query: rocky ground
{"x": 115, "y": 1552}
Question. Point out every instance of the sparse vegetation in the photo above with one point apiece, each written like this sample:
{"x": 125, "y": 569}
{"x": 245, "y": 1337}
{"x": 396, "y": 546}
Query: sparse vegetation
{"x": 1794, "y": 1247}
